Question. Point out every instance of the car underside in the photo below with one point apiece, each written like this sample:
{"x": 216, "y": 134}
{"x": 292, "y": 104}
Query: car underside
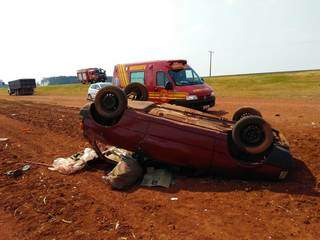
{"x": 246, "y": 146}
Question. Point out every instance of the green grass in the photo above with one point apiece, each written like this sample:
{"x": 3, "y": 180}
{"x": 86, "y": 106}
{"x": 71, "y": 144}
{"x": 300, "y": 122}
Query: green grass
{"x": 3, "y": 91}
{"x": 295, "y": 85}
{"x": 58, "y": 90}
{"x": 76, "y": 89}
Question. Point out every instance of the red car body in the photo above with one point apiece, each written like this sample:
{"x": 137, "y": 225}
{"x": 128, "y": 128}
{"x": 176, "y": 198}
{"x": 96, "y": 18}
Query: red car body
{"x": 184, "y": 137}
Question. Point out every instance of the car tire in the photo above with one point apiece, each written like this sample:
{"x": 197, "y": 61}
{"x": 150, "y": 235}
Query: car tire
{"x": 244, "y": 112}
{"x": 252, "y": 135}
{"x": 110, "y": 102}
{"x": 136, "y": 91}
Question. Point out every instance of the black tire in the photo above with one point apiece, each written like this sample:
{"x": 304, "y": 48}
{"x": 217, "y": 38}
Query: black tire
{"x": 136, "y": 91}
{"x": 244, "y": 112}
{"x": 252, "y": 135}
{"x": 110, "y": 102}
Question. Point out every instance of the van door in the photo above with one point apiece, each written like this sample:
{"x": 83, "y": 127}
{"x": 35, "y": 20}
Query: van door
{"x": 160, "y": 94}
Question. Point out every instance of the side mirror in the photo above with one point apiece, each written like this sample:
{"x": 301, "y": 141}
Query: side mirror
{"x": 202, "y": 80}
{"x": 169, "y": 86}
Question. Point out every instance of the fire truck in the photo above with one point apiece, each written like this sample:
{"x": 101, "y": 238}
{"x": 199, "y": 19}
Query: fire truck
{"x": 91, "y": 75}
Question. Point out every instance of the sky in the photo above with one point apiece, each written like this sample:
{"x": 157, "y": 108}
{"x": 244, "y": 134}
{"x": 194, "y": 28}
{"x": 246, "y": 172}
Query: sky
{"x": 42, "y": 38}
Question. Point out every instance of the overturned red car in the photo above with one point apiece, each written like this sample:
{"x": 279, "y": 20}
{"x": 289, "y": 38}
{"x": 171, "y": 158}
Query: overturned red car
{"x": 247, "y": 146}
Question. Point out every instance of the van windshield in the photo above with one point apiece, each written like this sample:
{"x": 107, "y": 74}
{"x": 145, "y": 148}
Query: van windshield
{"x": 184, "y": 77}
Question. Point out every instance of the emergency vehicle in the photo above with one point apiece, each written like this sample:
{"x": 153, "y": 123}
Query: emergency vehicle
{"x": 91, "y": 75}
{"x": 168, "y": 81}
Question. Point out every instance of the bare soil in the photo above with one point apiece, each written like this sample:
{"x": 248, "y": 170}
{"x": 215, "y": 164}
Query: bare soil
{"x": 47, "y": 205}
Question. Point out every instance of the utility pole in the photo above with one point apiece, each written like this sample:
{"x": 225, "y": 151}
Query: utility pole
{"x": 211, "y": 54}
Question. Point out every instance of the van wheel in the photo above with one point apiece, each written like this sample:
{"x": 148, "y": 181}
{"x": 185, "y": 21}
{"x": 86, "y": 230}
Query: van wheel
{"x": 110, "y": 102}
{"x": 136, "y": 91}
{"x": 244, "y": 112}
{"x": 252, "y": 134}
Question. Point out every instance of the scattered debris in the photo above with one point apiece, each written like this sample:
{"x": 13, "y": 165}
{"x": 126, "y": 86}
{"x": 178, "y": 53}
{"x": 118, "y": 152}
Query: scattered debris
{"x": 38, "y": 163}
{"x": 174, "y": 199}
{"x": 157, "y": 177}
{"x": 4, "y": 139}
{"x": 117, "y": 225}
{"x": 25, "y": 168}
{"x": 66, "y": 221}
{"x": 126, "y": 172}
{"x": 277, "y": 115}
{"x": 18, "y": 172}
{"x": 74, "y": 163}
{"x": 14, "y": 173}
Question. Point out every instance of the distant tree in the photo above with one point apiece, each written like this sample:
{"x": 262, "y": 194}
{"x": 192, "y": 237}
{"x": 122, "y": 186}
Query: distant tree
{"x": 59, "y": 80}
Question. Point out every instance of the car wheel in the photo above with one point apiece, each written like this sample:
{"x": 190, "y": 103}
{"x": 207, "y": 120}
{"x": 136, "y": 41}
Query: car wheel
{"x": 110, "y": 102}
{"x": 244, "y": 112}
{"x": 252, "y": 134}
{"x": 136, "y": 91}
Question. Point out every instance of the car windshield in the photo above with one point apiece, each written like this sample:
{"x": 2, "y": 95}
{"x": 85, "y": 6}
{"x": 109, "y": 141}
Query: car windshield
{"x": 185, "y": 77}
{"x": 102, "y": 85}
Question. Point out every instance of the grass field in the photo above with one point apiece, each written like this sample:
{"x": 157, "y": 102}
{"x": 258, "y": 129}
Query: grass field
{"x": 296, "y": 85}
{"x": 58, "y": 90}
{"x": 276, "y": 85}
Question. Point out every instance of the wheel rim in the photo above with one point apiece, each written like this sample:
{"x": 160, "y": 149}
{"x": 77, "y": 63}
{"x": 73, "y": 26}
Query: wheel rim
{"x": 134, "y": 94}
{"x": 252, "y": 135}
{"x": 110, "y": 102}
{"x": 244, "y": 115}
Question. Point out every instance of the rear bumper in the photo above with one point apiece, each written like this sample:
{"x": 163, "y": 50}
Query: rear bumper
{"x": 210, "y": 101}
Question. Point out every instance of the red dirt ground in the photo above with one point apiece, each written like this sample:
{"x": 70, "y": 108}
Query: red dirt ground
{"x": 46, "y": 205}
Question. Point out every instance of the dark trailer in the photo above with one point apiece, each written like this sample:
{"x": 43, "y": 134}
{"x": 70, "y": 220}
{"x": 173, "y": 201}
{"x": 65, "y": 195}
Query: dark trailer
{"x": 22, "y": 86}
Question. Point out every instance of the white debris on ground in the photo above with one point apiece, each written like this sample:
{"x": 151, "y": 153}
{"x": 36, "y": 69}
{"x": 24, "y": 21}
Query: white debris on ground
{"x": 126, "y": 173}
{"x": 4, "y": 139}
{"x": 74, "y": 163}
{"x": 157, "y": 178}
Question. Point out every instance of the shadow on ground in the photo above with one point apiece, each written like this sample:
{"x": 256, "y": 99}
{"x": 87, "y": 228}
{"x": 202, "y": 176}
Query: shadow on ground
{"x": 300, "y": 181}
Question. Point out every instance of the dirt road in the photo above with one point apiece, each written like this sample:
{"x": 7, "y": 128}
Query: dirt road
{"x": 46, "y": 205}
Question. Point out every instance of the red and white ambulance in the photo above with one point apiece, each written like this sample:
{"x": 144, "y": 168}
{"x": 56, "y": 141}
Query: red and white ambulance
{"x": 168, "y": 81}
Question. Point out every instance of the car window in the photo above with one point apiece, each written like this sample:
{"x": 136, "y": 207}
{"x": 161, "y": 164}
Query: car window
{"x": 161, "y": 78}
{"x": 137, "y": 77}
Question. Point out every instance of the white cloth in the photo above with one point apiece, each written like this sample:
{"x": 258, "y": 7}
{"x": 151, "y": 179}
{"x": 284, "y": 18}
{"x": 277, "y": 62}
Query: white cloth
{"x": 74, "y": 163}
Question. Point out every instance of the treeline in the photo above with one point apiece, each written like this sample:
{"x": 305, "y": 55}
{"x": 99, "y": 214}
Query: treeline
{"x": 59, "y": 80}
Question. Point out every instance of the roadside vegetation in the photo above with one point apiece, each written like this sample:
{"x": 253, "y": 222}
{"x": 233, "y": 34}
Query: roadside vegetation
{"x": 75, "y": 89}
{"x": 295, "y": 85}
